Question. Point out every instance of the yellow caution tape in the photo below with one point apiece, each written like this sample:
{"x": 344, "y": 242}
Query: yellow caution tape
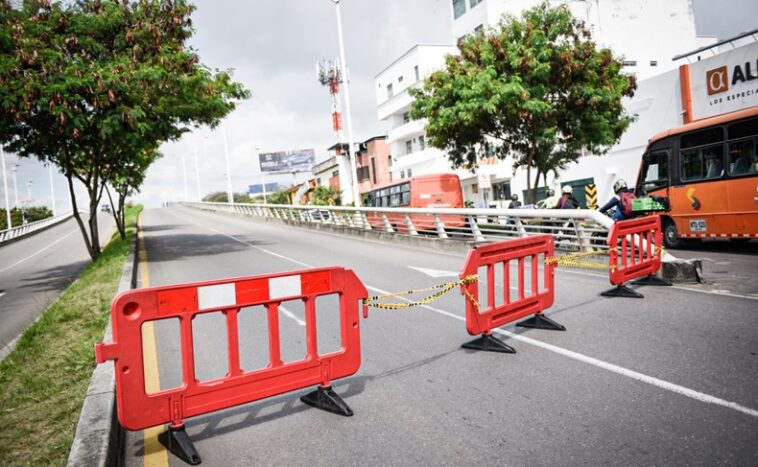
{"x": 443, "y": 289}
{"x": 573, "y": 259}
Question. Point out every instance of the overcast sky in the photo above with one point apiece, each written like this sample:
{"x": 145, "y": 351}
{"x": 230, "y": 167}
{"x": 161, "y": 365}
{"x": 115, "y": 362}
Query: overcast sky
{"x": 273, "y": 46}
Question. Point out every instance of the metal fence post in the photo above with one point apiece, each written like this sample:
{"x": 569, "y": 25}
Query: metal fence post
{"x": 440, "y": 226}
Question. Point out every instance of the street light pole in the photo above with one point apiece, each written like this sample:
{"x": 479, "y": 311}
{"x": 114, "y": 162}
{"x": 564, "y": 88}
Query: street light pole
{"x": 197, "y": 175}
{"x": 184, "y": 172}
{"x": 28, "y": 198}
{"x": 15, "y": 185}
{"x": 353, "y": 170}
{"x": 229, "y": 194}
{"x": 52, "y": 190}
{"x": 8, "y": 224}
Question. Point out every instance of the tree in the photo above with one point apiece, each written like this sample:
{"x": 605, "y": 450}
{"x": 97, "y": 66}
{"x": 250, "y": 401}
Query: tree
{"x": 278, "y": 197}
{"x": 93, "y": 86}
{"x": 326, "y": 196}
{"x": 530, "y": 87}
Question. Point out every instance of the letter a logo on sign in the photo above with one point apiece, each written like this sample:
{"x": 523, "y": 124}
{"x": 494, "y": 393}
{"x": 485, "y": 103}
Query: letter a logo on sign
{"x": 717, "y": 79}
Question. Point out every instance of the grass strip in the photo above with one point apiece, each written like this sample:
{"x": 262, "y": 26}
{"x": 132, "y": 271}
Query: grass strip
{"x": 44, "y": 381}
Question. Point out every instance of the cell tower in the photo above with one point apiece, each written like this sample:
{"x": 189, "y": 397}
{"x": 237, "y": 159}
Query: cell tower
{"x": 328, "y": 72}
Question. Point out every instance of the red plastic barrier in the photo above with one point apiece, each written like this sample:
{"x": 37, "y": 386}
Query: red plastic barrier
{"x": 130, "y": 310}
{"x": 634, "y": 252}
{"x": 482, "y": 321}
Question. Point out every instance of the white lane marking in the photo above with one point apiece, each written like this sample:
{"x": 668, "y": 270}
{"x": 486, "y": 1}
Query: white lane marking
{"x": 659, "y": 383}
{"x": 684, "y": 391}
{"x": 434, "y": 272}
{"x": 38, "y": 251}
{"x": 291, "y": 315}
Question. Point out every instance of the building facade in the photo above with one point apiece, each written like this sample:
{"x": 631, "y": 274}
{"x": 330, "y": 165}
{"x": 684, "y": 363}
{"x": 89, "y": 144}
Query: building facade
{"x": 374, "y": 163}
{"x": 411, "y": 155}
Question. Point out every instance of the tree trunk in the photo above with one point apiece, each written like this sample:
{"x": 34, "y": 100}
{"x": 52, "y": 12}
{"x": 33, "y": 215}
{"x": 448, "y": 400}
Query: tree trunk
{"x": 117, "y": 211}
{"x": 78, "y": 217}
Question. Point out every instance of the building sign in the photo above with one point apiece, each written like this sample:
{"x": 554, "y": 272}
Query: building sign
{"x": 726, "y": 82}
{"x": 300, "y": 160}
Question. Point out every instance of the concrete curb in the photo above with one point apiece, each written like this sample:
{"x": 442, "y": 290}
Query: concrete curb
{"x": 99, "y": 437}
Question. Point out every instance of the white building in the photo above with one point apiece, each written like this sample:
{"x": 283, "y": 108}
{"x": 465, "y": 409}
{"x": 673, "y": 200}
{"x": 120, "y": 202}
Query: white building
{"x": 411, "y": 155}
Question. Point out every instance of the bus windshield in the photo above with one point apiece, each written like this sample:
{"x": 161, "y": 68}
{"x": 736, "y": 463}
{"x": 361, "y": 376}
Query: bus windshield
{"x": 655, "y": 171}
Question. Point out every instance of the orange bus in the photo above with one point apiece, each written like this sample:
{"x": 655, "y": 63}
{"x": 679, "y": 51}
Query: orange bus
{"x": 708, "y": 171}
{"x": 424, "y": 191}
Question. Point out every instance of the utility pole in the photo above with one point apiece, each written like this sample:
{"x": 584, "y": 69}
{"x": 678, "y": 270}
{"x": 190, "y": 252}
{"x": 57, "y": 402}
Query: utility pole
{"x": 197, "y": 175}
{"x": 52, "y": 190}
{"x": 230, "y": 195}
{"x": 184, "y": 172}
{"x": 9, "y": 223}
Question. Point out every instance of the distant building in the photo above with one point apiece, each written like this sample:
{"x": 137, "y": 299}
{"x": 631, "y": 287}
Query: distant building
{"x": 373, "y": 163}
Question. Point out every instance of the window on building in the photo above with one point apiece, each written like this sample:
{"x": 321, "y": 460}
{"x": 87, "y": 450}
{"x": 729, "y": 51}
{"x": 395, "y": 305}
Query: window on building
{"x": 406, "y": 117}
{"x": 363, "y": 173}
{"x": 459, "y": 8}
{"x": 400, "y": 79}
{"x": 653, "y": 62}
{"x": 408, "y": 173}
{"x": 479, "y": 29}
{"x": 336, "y": 173}
{"x": 474, "y": 3}
{"x": 373, "y": 170}
{"x": 501, "y": 191}
{"x": 408, "y": 147}
{"x": 390, "y": 92}
{"x": 421, "y": 143}
{"x": 415, "y": 72}
{"x": 629, "y": 63}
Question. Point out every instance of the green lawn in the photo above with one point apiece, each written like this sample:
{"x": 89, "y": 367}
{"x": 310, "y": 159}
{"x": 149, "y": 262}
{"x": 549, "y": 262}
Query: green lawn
{"x": 44, "y": 381}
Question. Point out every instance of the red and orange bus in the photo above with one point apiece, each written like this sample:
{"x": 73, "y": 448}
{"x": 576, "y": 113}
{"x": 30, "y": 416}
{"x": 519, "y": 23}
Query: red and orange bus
{"x": 424, "y": 191}
{"x": 708, "y": 171}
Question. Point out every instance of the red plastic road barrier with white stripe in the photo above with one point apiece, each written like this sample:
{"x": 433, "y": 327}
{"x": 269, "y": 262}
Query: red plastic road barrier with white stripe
{"x": 130, "y": 310}
{"x": 481, "y": 321}
{"x": 635, "y": 248}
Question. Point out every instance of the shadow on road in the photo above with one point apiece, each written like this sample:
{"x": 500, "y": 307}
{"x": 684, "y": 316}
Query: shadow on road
{"x": 180, "y": 246}
{"x": 55, "y": 279}
{"x": 719, "y": 246}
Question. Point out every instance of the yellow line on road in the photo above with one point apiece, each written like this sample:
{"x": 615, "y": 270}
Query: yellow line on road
{"x": 155, "y": 454}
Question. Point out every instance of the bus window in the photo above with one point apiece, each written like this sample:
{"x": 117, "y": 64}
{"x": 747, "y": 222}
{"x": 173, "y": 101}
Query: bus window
{"x": 742, "y": 159}
{"x": 405, "y": 194}
{"x": 656, "y": 171}
{"x": 702, "y": 163}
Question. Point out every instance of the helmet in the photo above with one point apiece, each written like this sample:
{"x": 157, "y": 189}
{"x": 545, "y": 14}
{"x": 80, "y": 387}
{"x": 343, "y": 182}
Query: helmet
{"x": 619, "y": 185}
{"x": 550, "y": 192}
{"x": 514, "y": 197}
{"x": 567, "y": 189}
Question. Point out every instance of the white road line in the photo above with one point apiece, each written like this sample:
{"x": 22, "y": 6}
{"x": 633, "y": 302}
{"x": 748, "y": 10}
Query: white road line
{"x": 38, "y": 251}
{"x": 291, "y": 315}
{"x": 619, "y": 370}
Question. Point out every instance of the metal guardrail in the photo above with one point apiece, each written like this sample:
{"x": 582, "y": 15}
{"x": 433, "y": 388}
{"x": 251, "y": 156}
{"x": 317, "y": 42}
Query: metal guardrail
{"x": 574, "y": 229}
{"x": 16, "y": 232}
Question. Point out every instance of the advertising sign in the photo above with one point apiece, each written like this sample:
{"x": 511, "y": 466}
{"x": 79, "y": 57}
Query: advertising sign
{"x": 726, "y": 82}
{"x": 300, "y": 160}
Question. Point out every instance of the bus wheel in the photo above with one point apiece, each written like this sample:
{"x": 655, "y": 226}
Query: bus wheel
{"x": 671, "y": 234}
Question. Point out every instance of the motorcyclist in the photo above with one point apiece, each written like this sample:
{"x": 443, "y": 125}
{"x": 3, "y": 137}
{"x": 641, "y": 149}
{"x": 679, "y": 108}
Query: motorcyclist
{"x": 551, "y": 201}
{"x": 515, "y": 203}
{"x": 567, "y": 200}
{"x": 623, "y": 196}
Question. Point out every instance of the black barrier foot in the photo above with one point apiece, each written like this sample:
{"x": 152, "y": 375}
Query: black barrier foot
{"x": 651, "y": 280}
{"x": 541, "y": 322}
{"x": 326, "y": 399}
{"x": 178, "y": 442}
{"x": 622, "y": 291}
{"x": 489, "y": 344}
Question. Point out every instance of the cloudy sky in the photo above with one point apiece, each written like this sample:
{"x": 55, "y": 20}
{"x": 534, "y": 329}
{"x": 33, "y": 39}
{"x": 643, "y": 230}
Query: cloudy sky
{"x": 273, "y": 46}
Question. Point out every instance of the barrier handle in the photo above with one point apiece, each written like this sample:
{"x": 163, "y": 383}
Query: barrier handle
{"x": 365, "y": 310}
{"x": 105, "y": 352}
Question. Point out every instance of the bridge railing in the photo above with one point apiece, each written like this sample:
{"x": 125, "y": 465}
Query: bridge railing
{"x": 26, "y": 229}
{"x": 578, "y": 229}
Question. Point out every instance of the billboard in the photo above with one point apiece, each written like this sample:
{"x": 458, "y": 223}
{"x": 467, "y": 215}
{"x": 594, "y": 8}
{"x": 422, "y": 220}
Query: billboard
{"x": 300, "y": 160}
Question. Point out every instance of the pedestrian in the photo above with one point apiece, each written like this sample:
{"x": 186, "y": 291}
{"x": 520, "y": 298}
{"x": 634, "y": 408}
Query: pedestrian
{"x": 567, "y": 200}
{"x": 515, "y": 203}
{"x": 621, "y": 200}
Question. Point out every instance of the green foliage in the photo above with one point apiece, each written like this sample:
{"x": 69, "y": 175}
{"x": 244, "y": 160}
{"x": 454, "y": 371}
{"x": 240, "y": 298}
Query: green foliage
{"x": 326, "y": 196}
{"x": 96, "y": 86}
{"x": 537, "y": 88}
{"x": 223, "y": 197}
{"x": 279, "y": 197}
{"x": 30, "y": 214}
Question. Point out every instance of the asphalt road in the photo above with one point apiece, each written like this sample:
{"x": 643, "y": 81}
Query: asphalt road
{"x": 668, "y": 380}
{"x": 730, "y": 267}
{"x": 36, "y": 269}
